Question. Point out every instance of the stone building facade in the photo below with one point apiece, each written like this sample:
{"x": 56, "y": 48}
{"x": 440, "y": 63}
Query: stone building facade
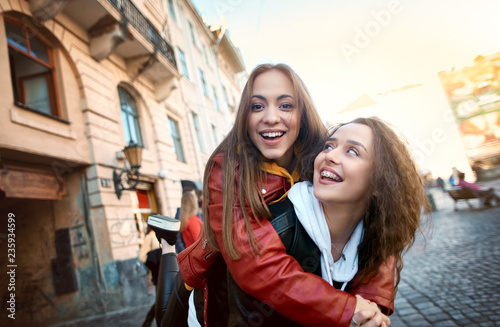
{"x": 83, "y": 79}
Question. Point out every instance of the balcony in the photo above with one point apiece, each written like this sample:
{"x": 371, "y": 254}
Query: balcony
{"x": 118, "y": 26}
{"x": 133, "y": 16}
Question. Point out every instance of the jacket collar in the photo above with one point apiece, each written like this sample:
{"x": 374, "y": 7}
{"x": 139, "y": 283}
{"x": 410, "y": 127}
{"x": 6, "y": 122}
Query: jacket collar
{"x": 273, "y": 168}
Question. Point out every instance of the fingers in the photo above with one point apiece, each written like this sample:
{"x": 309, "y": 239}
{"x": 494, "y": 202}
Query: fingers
{"x": 368, "y": 314}
{"x": 367, "y": 318}
{"x": 363, "y": 316}
{"x": 374, "y": 321}
{"x": 387, "y": 321}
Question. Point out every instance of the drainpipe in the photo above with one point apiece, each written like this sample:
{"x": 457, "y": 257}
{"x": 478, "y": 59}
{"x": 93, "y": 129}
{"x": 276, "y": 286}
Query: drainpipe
{"x": 90, "y": 233}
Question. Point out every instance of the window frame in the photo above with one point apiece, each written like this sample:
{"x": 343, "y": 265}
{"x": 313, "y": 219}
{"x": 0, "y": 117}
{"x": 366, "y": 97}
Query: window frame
{"x": 205, "y": 54}
{"x": 183, "y": 62}
{"x": 171, "y": 9}
{"x": 50, "y": 88}
{"x": 214, "y": 132}
{"x": 51, "y": 79}
{"x": 176, "y": 138}
{"x": 203, "y": 82}
{"x": 193, "y": 35}
{"x": 224, "y": 93}
{"x": 197, "y": 130}
{"x": 216, "y": 98}
{"x": 128, "y": 113}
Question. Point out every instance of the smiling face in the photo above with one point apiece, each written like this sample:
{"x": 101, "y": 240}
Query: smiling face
{"x": 342, "y": 170}
{"x": 274, "y": 119}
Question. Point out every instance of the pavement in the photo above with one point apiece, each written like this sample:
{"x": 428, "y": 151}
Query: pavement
{"x": 450, "y": 278}
{"x": 128, "y": 317}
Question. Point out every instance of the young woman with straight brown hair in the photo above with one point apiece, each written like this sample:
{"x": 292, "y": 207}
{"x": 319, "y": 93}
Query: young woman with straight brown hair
{"x": 276, "y": 130}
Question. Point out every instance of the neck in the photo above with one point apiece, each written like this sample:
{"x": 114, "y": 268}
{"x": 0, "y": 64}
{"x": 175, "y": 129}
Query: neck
{"x": 342, "y": 220}
{"x": 288, "y": 162}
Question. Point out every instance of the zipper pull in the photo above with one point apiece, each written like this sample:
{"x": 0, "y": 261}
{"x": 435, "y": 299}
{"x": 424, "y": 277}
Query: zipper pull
{"x": 204, "y": 244}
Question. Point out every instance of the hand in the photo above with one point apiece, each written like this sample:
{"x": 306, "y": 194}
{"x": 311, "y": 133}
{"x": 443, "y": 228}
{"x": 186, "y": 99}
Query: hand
{"x": 367, "y": 318}
{"x": 362, "y": 304}
{"x": 368, "y": 314}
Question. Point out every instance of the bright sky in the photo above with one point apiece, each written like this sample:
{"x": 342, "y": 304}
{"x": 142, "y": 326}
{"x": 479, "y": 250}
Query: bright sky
{"x": 345, "y": 49}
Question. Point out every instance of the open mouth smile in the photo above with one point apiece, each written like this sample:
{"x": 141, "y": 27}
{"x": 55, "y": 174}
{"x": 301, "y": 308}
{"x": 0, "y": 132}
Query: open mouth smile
{"x": 325, "y": 174}
{"x": 272, "y": 135}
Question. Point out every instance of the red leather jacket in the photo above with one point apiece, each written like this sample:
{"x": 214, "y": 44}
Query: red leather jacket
{"x": 273, "y": 276}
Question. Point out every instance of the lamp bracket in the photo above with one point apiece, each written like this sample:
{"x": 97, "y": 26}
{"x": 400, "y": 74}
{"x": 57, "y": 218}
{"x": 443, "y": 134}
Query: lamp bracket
{"x": 129, "y": 176}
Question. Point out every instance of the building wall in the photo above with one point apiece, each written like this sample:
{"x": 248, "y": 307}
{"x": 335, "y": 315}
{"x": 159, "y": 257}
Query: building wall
{"x": 32, "y": 132}
{"x": 83, "y": 148}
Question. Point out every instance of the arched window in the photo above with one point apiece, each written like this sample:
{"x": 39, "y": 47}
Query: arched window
{"x": 130, "y": 119}
{"x": 32, "y": 70}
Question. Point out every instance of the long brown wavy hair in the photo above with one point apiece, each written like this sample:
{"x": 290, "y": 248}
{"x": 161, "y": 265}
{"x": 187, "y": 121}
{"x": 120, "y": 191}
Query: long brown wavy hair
{"x": 396, "y": 206}
{"x": 242, "y": 160}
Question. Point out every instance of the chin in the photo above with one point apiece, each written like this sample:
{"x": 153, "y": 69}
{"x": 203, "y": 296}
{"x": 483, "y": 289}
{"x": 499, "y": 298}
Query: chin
{"x": 273, "y": 156}
{"x": 319, "y": 194}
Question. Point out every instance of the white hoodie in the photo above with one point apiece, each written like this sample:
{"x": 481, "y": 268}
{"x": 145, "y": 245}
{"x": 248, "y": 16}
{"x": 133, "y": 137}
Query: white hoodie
{"x": 310, "y": 213}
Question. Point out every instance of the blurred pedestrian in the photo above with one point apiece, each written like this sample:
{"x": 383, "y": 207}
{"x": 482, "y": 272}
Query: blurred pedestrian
{"x": 476, "y": 168}
{"x": 440, "y": 183}
{"x": 488, "y": 195}
{"x": 452, "y": 178}
{"x": 190, "y": 221}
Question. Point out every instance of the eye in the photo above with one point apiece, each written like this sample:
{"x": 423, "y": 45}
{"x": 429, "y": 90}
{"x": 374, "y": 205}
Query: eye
{"x": 328, "y": 146}
{"x": 353, "y": 151}
{"x": 257, "y": 107}
{"x": 286, "y": 106}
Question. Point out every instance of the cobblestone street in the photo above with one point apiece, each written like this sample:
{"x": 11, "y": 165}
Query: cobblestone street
{"x": 453, "y": 281}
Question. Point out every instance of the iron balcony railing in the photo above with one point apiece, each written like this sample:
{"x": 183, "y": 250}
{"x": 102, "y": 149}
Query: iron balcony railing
{"x": 144, "y": 26}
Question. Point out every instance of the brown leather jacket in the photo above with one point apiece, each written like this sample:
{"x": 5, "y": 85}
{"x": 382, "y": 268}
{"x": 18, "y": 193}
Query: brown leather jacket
{"x": 274, "y": 277}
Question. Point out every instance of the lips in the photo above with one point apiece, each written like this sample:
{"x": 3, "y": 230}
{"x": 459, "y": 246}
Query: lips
{"x": 272, "y": 135}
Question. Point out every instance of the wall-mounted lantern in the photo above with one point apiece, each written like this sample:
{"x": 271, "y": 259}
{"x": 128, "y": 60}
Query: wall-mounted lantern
{"x": 133, "y": 153}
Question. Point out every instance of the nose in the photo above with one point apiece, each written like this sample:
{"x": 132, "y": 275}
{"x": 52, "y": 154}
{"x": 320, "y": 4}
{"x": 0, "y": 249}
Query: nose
{"x": 271, "y": 115}
{"x": 333, "y": 155}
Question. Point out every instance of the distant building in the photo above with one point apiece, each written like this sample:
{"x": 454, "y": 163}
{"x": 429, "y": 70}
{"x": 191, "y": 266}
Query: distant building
{"x": 83, "y": 79}
{"x": 474, "y": 95}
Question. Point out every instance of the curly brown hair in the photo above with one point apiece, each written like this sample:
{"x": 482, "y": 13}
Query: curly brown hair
{"x": 395, "y": 208}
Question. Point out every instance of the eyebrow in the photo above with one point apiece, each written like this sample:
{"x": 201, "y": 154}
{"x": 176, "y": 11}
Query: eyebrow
{"x": 350, "y": 142}
{"x": 283, "y": 96}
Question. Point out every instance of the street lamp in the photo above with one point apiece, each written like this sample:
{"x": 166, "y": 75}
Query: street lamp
{"x": 133, "y": 153}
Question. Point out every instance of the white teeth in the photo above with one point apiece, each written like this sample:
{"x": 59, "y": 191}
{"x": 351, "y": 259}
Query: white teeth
{"x": 272, "y": 134}
{"x": 331, "y": 175}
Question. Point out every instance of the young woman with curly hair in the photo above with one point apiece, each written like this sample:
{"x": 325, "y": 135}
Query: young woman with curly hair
{"x": 276, "y": 131}
{"x": 364, "y": 184}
